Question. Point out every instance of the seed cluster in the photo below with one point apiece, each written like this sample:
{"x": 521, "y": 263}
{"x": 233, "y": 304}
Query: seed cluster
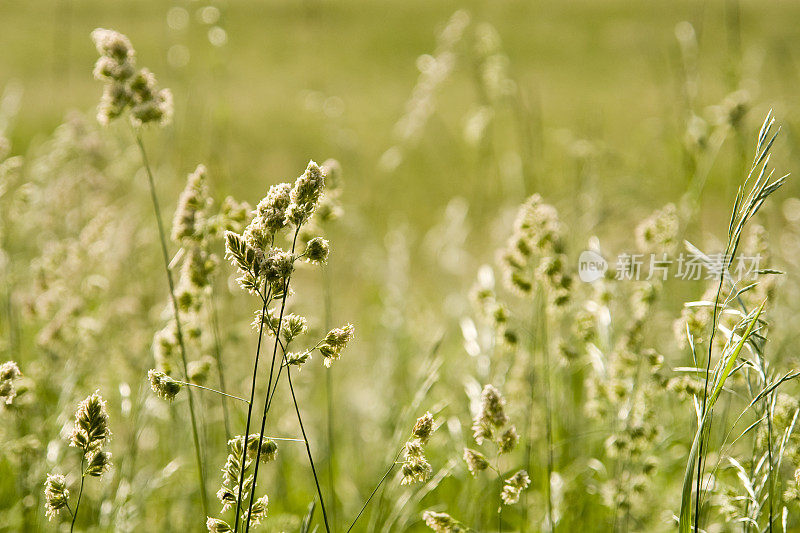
{"x": 9, "y": 371}
{"x": 127, "y": 88}
{"x": 416, "y": 467}
{"x": 90, "y": 434}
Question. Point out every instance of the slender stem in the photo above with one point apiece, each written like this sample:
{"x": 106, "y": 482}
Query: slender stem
{"x": 80, "y": 493}
{"x": 266, "y": 403}
{"x": 269, "y": 404}
{"x": 250, "y": 410}
{"x": 211, "y": 390}
{"x": 771, "y": 480}
{"x": 218, "y": 357}
{"x": 284, "y": 438}
{"x": 500, "y": 480}
{"x": 308, "y": 451}
{"x": 705, "y": 399}
{"x": 768, "y": 413}
{"x": 530, "y": 427}
{"x": 270, "y": 386}
{"x": 366, "y": 503}
{"x": 178, "y": 330}
{"x": 549, "y": 437}
{"x": 542, "y": 338}
{"x": 326, "y": 295}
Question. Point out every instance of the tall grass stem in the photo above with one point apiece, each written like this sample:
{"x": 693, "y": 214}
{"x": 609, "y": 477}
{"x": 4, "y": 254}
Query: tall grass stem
{"x": 178, "y": 328}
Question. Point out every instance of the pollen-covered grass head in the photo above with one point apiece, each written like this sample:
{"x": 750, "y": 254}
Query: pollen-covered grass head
{"x": 163, "y": 385}
{"x": 56, "y": 494}
{"x": 91, "y": 424}
{"x": 476, "y": 461}
{"x": 424, "y": 427}
{"x": 9, "y": 371}
{"x": 215, "y": 525}
{"x": 126, "y": 88}
{"x": 442, "y": 522}
{"x": 189, "y": 215}
{"x": 514, "y": 486}
{"x": 416, "y": 467}
{"x": 491, "y": 416}
{"x": 334, "y": 342}
{"x": 305, "y": 194}
{"x": 317, "y": 251}
{"x": 89, "y": 434}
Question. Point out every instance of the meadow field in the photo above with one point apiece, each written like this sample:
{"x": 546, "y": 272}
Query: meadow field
{"x": 503, "y": 266}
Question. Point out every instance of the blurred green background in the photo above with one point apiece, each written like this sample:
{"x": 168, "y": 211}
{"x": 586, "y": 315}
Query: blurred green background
{"x": 254, "y": 108}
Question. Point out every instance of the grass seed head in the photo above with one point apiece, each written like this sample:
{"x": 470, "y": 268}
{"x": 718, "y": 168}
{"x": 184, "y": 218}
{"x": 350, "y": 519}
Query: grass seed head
{"x": 56, "y": 494}
{"x": 91, "y": 424}
{"x": 334, "y": 342}
{"x": 189, "y": 214}
{"x": 99, "y": 463}
{"x": 258, "y": 512}
{"x": 112, "y": 44}
{"x": 163, "y": 385}
{"x": 305, "y": 194}
{"x": 514, "y": 486}
{"x": 293, "y": 326}
{"x": 423, "y": 429}
{"x": 317, "y": 251}
{"x": 126, "y": 88}
{"x": 508, "y": 440}
{"x": 476, "y": 461}
{"x": 491, "y": 415}
{"x": 9, "y": 371}
{"x": 442, "y": 522}
{"x": 215, "y": 525}
{"x": 271, "y": 211}
{"x": 278, "y": 265}
{"x": 415, "y": 470}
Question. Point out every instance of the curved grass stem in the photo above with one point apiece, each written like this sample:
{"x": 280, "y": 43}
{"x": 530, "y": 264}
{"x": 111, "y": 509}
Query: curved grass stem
{"x": 266, "y": 405}
{"x": 80, "y": 493}
{"x": 212, "y": 390}
{"x": 178, "y": 329}
{"x": 214, "y": 316}
{"x": 308, "y": 450}
{"x": 375, "y": 490}
{"x": 250, "y": 409}
{"x": 326, "y": 296}
{"x": 271, "y": 387}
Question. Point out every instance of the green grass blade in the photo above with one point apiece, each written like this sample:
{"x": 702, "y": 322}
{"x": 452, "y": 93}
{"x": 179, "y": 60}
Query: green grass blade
{"x": 685, "y": 522}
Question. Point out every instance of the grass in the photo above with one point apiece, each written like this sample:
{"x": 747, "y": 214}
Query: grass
{"x": 590, "y": 105}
